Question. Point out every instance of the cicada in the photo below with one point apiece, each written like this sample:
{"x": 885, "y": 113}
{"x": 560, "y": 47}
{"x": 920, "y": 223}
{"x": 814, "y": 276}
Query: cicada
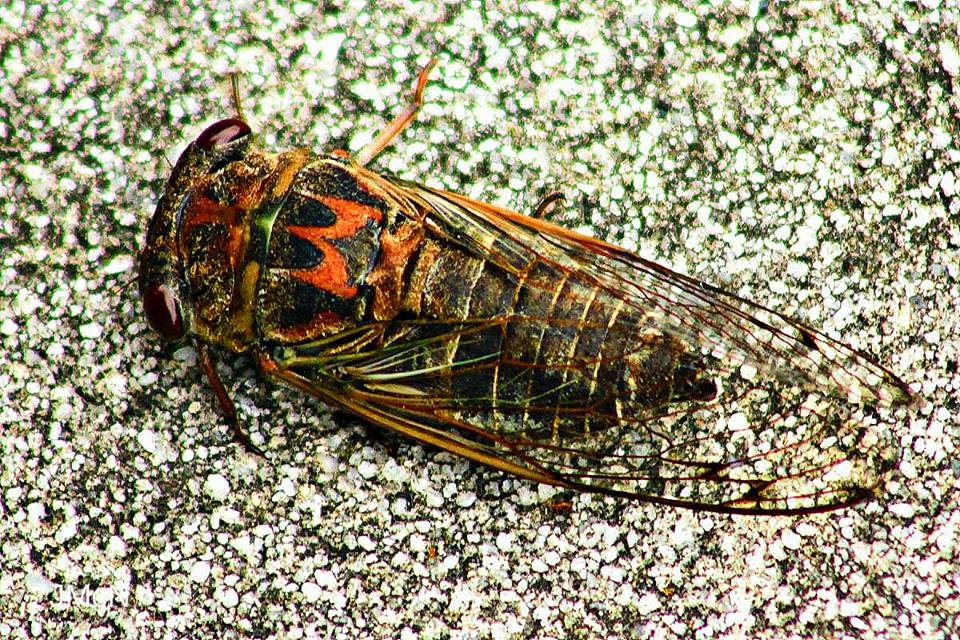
{"x": 503, "y": 338}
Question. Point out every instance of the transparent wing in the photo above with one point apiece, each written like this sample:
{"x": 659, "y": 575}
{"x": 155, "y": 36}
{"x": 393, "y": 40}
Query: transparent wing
{"x": 758, "y": 414}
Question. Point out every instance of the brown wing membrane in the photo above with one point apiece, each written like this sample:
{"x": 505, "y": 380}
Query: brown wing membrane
{"x": 707, "y": 401}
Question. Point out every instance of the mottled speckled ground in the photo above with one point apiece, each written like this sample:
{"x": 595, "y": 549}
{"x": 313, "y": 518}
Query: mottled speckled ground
{"x": 805, "y": 157}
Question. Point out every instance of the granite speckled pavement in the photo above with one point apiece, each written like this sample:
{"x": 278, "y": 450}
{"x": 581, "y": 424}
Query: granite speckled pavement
{"x": 804, "y": 155}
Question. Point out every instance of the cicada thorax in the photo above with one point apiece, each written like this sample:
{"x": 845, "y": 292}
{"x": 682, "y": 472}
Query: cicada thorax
{"x": 285, "y": 248}
{"x": 324, "y": 243}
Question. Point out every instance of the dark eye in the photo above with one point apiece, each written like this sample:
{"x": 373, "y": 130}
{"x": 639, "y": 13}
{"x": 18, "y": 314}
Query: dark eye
{"x": 162, "y": 308}
{"x": 222, "y": 132}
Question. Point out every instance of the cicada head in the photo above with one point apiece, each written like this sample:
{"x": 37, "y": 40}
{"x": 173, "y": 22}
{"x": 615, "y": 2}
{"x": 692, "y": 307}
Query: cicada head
{"x": 166, "y": 257}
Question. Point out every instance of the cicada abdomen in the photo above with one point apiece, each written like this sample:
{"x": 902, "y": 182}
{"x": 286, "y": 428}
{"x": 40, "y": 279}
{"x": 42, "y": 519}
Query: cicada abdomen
{"x": 505, "y": 339}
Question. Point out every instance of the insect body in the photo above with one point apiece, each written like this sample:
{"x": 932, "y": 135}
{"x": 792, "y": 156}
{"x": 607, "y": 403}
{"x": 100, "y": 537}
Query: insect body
{"x": 503, "y": 338}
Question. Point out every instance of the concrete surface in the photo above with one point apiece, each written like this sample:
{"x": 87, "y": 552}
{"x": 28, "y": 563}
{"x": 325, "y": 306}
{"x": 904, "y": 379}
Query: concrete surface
{"x": 804, "y": 155}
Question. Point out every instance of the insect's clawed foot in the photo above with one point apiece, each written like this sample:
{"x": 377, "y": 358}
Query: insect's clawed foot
{"x": 547, "y": 203}
{"x": 242, "y": 438}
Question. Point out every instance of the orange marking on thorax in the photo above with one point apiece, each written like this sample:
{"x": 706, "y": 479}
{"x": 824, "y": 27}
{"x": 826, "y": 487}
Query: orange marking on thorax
{"x": 331, "y": 274}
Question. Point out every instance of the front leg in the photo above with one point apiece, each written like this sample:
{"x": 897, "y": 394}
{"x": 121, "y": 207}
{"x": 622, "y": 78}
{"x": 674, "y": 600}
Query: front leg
{"x": 223, "y": 398}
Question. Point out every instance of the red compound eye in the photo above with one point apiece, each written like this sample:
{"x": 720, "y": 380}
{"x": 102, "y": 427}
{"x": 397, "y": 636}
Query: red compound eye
{"x": 162, "y": 308}
{"x": 223, "y": 132}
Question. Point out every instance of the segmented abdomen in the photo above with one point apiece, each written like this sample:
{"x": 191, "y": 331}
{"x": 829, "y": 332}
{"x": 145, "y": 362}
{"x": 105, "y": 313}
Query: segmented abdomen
{"x": 539, "y": 344}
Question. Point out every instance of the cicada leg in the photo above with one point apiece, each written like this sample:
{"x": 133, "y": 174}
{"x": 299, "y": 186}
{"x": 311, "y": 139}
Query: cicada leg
{"x": 206, "y": 363}
{"x": 546, "y": 204}
{"x": 560, "y": 505}
{"x": 235, "y": 94}
{"x": 403, "y": 119}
